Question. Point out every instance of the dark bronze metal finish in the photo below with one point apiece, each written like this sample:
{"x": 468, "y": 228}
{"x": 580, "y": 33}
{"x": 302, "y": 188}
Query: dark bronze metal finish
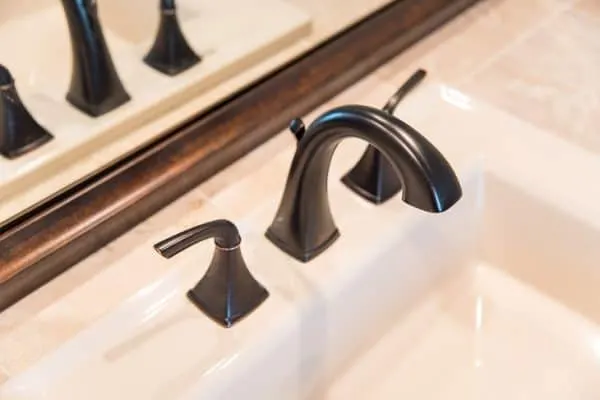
{"x": 170, "y": 54}
{"x": 373, "y": 177}
{"x": 95, "y": 85}
{"x": 46, "y": 240}
{"x": 303, "y": 226}
{"x": 20, "y": 133}
{"x": 415, "y": 79}
{"x": 227, "y": 292}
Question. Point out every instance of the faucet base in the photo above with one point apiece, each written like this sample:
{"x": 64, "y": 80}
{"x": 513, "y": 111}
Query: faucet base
{"x": 294, "y": 250}
{"x": 228, "y": 292}
{"x": 373, "y": 178}
{"x": 96, "y": 110}
{"x": 43, "y": 138}
{"x": 218, "y": 312}
{"x": 171, "y": 54}
{"x": 169, "y": 67}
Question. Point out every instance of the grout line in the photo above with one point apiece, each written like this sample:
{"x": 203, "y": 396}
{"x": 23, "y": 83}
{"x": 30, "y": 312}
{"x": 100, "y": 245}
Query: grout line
{"x": 522, "y": 38}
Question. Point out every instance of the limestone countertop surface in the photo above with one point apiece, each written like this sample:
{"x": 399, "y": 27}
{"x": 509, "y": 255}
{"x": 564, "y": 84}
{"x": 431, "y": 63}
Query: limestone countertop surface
{"x": 536, "y": 60}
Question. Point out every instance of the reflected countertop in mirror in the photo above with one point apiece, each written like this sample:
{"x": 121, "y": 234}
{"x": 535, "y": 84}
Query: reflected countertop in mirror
{"x": 235, "y": 54}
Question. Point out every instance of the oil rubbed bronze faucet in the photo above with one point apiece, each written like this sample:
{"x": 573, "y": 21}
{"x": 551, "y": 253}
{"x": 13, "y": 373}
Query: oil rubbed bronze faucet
{"x": 20, "y": 133}
{"x": 303, "y": 226}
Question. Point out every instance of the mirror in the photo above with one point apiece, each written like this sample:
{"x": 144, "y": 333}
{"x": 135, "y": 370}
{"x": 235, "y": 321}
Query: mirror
{"x": 237, "y": 49}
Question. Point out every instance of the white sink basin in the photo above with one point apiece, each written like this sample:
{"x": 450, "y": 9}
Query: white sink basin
{"x": 501, "y": 304}
{"x": 494, "y": 299}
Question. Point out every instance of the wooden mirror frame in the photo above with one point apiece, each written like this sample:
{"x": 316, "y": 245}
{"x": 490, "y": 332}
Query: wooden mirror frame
{"x": 60, "y": 232}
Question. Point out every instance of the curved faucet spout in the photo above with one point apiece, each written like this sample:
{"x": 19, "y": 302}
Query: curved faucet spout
{"x": 304, "y": 226}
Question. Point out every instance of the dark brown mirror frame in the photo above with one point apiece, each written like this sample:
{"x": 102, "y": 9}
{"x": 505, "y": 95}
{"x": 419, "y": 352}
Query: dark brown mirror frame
{"x": 43, "y": 243}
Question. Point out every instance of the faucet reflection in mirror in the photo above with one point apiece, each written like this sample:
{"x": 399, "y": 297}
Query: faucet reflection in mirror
{"x": 303, "y": 226}
{"x": 95, "y": 85}
{"x": 20, "y": 133}
{"x": 170, "y": 54}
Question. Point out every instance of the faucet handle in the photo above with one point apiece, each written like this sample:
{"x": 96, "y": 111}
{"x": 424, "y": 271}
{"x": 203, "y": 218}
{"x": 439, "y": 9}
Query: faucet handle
{"x": 227, "y": 292}
{"x": 223, "y": 231}
{"x": 20, "y": 133}
{"x": 373, "y": 178}
{"x": 171, "y": 54}
{"x": 405, "y": 89}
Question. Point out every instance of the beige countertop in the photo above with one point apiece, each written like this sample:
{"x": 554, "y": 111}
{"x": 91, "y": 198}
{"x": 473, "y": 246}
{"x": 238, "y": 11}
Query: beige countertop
{"x": 536, "y": 60}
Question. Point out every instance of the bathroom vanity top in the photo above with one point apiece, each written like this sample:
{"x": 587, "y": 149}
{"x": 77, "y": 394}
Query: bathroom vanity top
{"x": 125, "y": 304}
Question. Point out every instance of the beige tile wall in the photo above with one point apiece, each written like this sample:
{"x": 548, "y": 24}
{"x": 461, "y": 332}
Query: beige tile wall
{"x": 474, "y": 38}
{"x": 551, "y": 77}
{"x": 537, "y": 59}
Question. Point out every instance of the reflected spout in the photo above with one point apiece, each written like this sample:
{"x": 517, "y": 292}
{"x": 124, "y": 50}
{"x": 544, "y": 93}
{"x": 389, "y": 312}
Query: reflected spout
{"x": 95, "y": 86}
{"x": 304, "y": 226}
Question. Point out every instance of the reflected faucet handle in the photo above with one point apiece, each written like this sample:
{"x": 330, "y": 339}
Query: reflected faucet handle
{"x": 227, "y": 292}
{"x": 407, "y": 87}
{"x": 20, "y": 133}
